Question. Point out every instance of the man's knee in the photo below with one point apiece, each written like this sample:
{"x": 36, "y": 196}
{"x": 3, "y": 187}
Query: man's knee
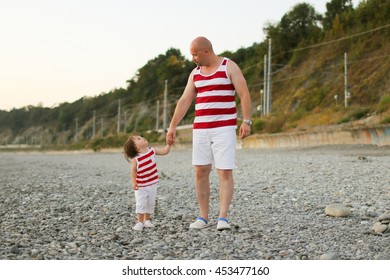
{"x": 225, "y": 174}
{"x": 202, "y": 171}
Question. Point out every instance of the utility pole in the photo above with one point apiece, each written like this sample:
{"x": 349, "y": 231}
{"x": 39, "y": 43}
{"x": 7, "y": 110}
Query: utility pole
{"x": 124, "y": 122}
{"x": 119, "y": 117}
{"x": 265, "y": 90}
{"x": 269, "y": 77}
{"x": 94, "y": 124}
{"x": 101, "y": 127}
{"x": 346, "y": 93}
{"x": 77, "y": 129}
{"x": 157, "y": 113}
{"x": 165, "y": 106}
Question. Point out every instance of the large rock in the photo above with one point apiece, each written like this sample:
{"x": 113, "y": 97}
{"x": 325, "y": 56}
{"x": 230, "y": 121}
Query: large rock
{"x": 384, "y": 218}
{"x": 379, "y": 227}
{"x": 337, "y": 210}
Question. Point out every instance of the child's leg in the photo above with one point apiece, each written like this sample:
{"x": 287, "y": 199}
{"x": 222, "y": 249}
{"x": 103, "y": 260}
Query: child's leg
{"x": 151, "y": 202}
{"x": 141, "y": 217}
{"x": 141, "y": 202}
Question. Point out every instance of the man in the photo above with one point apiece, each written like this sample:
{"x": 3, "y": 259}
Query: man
{"x": 213, "y": 83}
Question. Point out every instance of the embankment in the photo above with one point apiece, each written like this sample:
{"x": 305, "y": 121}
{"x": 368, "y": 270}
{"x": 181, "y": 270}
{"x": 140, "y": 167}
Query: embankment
{"x": 376, "y": 135}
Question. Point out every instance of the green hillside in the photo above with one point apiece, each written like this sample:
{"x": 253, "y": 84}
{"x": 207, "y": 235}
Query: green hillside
{"x": 307, "y": 85}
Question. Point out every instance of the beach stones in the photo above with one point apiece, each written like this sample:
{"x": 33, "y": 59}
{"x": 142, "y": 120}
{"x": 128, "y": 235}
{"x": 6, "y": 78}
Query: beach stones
{"x": 337, "y": 210}
{"x": 61, "y": 210}
{"x": 382, "y": 225}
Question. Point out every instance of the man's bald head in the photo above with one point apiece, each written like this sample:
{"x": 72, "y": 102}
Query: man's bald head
{"x": 202, "y": 43}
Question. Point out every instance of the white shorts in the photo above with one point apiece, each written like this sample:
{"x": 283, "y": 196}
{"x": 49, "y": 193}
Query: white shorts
{"x": 214, "y": 145}
{"x": 145, "y": 199}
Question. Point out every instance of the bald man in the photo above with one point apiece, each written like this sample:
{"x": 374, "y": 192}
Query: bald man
{"x": 213, "y": 84}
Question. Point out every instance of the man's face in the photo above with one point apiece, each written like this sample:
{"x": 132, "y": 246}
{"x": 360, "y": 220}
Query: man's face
{"x": 197, "y": 55}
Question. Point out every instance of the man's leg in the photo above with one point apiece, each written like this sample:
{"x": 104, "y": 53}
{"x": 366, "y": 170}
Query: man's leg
{"x": 226, "y": 186}
{"x": 202, "y": 187}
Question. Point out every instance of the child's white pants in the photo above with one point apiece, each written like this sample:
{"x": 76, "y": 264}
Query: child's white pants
{"x": 145, "y": 199}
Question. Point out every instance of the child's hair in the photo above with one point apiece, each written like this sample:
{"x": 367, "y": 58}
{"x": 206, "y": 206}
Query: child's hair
{"x": 130, "y": 148}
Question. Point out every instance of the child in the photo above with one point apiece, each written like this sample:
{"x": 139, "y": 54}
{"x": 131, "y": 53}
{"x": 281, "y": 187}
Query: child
{"x": 144, "y": 177}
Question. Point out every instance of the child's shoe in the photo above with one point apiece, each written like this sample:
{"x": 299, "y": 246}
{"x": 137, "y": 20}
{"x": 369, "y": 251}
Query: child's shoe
{"x": 148, "y": 224}
{"x": 138, "y": 226}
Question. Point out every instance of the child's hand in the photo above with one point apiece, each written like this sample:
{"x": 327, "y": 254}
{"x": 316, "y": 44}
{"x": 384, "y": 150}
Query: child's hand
{"x": 135, "y": 187}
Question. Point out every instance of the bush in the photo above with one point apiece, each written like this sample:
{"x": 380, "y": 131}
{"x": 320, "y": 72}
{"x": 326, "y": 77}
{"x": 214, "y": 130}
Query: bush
{"x": 384, "y": 104}
{"x": 356, "y": 114}
{"x": 108, "y": 142}
{"x": 385, "y": 120}
{"x": 258, "y": 125}
{"x": 275, "y": 124}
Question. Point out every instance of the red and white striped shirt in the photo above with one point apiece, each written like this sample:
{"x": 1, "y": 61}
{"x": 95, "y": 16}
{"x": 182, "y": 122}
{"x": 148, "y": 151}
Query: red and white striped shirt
{"x": 215, "y": 104}
{"x": 146, "y": 169}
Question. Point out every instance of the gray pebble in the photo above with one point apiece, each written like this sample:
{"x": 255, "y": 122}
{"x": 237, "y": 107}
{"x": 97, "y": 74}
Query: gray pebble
{"x": 329, "y": 256}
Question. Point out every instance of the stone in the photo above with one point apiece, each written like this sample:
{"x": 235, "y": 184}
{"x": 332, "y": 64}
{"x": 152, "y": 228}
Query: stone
{"x": 379, "y": 227}
{"x": 15, "y": 250}
{"x": 337, "y": 210}
{"x": 384, "y": 217}
{"x": 158, "y": 257}
{"x": 329, "y": 256}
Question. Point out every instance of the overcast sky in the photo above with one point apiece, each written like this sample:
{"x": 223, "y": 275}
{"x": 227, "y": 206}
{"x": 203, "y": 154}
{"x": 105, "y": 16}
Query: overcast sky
{"x": 55, "y": 51}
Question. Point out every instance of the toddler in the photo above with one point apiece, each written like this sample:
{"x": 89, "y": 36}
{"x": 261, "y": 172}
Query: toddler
{"x": 144, "y": 177}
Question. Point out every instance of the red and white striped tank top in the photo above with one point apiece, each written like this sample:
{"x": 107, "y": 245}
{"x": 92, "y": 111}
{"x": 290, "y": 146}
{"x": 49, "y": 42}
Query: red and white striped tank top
{"x": 146, "y": 169}
{"x": 215, "y": 104}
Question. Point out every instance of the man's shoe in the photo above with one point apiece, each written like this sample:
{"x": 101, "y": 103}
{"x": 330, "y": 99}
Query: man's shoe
{"x": 199, "y": 223}
{"x": 223, "y": 224}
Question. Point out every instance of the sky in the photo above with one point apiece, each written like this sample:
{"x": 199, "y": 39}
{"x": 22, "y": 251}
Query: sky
{"x": 56, "y": 51}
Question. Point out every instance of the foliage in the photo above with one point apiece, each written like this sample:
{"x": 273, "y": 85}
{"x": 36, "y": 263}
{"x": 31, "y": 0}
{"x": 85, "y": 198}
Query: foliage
{"x": 385, "y": 120}
{"x": 337, "y": 14}
{"x": 107, "y": 142}
{"x": 298, "y": 26}
{"x": 356, "y": 114}
{"x": 258, "y": 125}
{"x": 384, "y": 104}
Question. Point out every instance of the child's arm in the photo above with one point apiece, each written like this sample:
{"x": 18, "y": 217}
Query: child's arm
{"x": 163, "y": 151}
{"x": 134, "y": 174}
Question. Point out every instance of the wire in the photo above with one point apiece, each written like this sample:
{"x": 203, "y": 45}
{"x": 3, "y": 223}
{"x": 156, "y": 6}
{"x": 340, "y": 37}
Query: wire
{"x": 322, "y": 44}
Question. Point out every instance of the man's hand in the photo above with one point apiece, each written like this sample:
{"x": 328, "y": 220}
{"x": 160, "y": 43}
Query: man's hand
{"x": 245, "y": 130}
{"x": 171, "y": 136}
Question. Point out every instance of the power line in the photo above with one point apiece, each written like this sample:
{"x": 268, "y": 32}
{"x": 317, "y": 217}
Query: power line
{"x": 340, "y": 39}
{"x": 306, "y": 73}
{"x": 324, "y": 43}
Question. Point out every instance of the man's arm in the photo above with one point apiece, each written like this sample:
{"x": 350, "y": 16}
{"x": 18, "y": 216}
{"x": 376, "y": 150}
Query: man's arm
{"x": 242, "y": 90}
{"x": 182, "y": 106}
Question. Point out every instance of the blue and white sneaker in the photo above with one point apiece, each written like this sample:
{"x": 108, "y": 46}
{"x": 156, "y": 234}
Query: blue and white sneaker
{"x": 199, "y": 223}
{"x": 223, "y": 224}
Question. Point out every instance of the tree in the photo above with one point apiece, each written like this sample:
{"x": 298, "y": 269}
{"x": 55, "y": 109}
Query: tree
{"x": 372, "y": 13}
{"x": 299, "y": 25}
{"x": 336, "y": 9}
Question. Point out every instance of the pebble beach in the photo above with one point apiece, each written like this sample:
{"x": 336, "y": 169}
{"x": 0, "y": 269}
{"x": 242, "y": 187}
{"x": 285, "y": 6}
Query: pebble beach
{"x": 80, "y": 206}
